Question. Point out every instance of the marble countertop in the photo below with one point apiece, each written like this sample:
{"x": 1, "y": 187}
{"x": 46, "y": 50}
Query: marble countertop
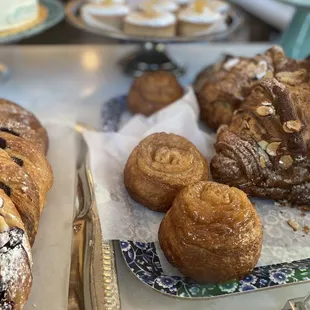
{"x": 69, "y": 83}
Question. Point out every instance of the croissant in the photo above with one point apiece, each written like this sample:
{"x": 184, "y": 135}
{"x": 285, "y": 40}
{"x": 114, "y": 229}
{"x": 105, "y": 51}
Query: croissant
{"x": 222, "y": 88}
{"x": 159, "y": 167}
{"x": 20, "y": 122}
{"x": 25, "y": 178}
{"x": 265, "y": 150}
{"x": 153, "y": 91}
{"x": 211, "y": 233}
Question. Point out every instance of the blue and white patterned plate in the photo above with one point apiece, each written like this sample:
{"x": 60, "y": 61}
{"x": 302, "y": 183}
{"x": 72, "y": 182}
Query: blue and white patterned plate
{"x": 144, "y": 261}
{"x": 55, "y": 14}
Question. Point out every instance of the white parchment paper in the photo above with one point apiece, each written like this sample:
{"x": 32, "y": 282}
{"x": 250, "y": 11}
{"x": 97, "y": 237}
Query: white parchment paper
{"x": 52, "y": 248}
{"x": 122, "y": 218}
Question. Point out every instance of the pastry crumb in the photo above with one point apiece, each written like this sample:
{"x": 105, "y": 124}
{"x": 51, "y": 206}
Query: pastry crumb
{"x": 293, "y": 224}
{"x": 304, "y": 208}
{"x": 306, "y": 229}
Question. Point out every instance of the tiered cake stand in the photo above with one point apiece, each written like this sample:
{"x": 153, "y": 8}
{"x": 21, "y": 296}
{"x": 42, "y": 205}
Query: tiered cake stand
{"x": 296, "y": 38}
{"x": 51, "y": 12}
{"x": 152, "y": 54}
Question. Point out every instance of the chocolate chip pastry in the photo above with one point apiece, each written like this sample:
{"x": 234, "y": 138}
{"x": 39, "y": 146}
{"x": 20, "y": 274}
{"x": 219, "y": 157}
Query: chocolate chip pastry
{"x": 153, "y": 91}
{"x": 25, "y": 178}
{"x": 222, "y": 88}
{"x": 159, "y": 167}
{"x": 265, "y": 150}
{"x": 211, "y": 233}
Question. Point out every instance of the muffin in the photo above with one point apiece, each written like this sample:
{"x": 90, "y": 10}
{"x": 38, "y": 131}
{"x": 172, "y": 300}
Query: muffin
{"x": 110, "y": 15}
{"x": 196, "y": 19}
{"x": 153, "y": 91}
{"x": 150, "y": 23}
{"x": 212, "y": 233}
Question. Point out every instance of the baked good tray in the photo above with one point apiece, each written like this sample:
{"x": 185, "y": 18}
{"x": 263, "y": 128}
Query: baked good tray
{"x": 149, "y": 265}
{"x": 233, "y": 21}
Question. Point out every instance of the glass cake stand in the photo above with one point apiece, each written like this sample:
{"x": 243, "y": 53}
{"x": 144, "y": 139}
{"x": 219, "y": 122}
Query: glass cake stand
{"x": 152, "y": 54}
{"x": 55, "y": 13}
{"x": 296, "y": 38}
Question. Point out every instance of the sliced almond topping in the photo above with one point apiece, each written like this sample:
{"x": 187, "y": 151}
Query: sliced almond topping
{"x": 266, "y": 103}
{"x": 230, "y": 63}
{"x": 262, "y": 162}
{"x": 3, "y": 225}
{"x": 292, "y": 126}
{"x": 246, "y": 124}
{"x": 261, "y": 69}
{"x": 272, "y": 148}
{"x": 286, "y": 161}
{"x": 263, "y": 144}
{"x": 265, "y": 110}
{"x": 293, "y": 224}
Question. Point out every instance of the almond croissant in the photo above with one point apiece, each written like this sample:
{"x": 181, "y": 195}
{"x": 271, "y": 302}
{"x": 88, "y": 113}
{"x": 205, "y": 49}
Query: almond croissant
{"x": 265, "y": 150}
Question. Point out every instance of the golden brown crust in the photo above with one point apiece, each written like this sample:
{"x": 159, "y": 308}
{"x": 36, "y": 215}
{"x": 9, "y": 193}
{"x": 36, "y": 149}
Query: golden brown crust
{"x": 212, "y": 233}
{"x": 23, "y": 123}
{"x": 152, "y": 92}
{"x": 23, "y": 192}
{"x": 160, "y": 166}
{"x": 28, "y": 156}
{"x": 265, "y": 151}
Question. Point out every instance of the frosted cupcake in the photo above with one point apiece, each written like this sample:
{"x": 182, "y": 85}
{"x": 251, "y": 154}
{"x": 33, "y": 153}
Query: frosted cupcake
{"x": 108, "y": 15}
{"x": 150, "y": 23}
{"x": 196, "y": 19}
{"x": 160, "y": 6}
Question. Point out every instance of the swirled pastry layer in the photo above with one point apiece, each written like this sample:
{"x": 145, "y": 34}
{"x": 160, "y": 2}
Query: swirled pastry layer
{"x": 212, "y": 233}
{"x": 160, "y": 166}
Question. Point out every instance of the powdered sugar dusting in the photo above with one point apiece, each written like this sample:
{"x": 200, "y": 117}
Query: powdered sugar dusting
{"x": 15, "y": 265}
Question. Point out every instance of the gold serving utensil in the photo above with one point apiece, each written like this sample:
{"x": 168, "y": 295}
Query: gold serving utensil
{"x": 93, "y": 279}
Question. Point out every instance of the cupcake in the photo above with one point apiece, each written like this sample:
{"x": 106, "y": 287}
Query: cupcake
{"x": 108, "y": 15}
{"x": 196, "y": 19}
{"x": 150, "y": 23}
{"x": 160, "y": 6}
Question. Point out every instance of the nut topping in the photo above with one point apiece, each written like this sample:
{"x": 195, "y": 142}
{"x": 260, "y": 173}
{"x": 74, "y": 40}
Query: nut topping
{"x": 286, "y": 161}
{"x": 272, "y": 148}
{"x": 265, "y": 110}
{"x": 266, "y": 103}
{"x": 293, "y": 224}
{"x": 262, "y": 162}
{"x": 292, "y": 126}
{"x": 261, "y": 69}
{"x": 231, "y": 63}
{"x": 263, "y": 144}
{"x": 246, "y": 124}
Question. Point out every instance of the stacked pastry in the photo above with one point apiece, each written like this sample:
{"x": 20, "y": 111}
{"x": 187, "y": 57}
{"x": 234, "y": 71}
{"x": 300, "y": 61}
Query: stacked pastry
{"x": 25, "y": 178}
